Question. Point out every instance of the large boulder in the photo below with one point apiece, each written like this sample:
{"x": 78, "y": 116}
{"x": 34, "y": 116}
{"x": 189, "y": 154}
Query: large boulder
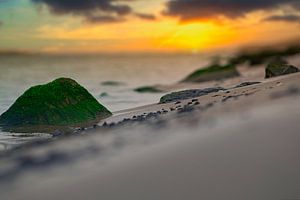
{"x": 280, "y": 68}
{"x": 62, "y": 102}
{"x": 213, "y": 72}
{"x": 187, "y": 94}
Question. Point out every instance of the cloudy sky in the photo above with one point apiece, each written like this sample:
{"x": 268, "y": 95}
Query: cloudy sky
{"x": 88, "y": 26}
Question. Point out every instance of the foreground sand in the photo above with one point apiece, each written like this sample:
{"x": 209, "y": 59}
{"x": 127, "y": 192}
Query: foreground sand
{"x": 242, "y": 143}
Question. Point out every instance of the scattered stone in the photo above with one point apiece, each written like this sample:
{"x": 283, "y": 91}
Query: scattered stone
{"x": 279, "y": 83}
{"x": 246, "y": 84}
{"x": 186, "y": 109}
{"x": 57, "y": 133}
{"x": 126, "y": 119}
{"x": 217, "y": 95}
{"x": 187, "y": 94}
{"x": 151, "y": 114}
{"x": 112, "y": 124}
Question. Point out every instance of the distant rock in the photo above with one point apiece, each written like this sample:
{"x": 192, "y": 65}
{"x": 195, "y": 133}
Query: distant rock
{"x": 213, "y": 72}
{"x": 103, "y": 94}
{"x": 278, "y": 69}
{"x": 187, "y": 94}
{"x": 264, "y": 55}
{"x": 112, "y": 83}
{"x": 147, "y": 89}
{"x": 62, "y": 102}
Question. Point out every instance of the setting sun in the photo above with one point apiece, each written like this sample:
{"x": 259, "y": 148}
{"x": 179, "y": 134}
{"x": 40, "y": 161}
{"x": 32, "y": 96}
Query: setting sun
{"x": 155, "y": 28}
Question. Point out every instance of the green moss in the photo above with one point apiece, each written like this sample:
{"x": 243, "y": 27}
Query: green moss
{"x": 213, "y": 72}
{"x": 147, "y": 89}
{"x": 60, "y": 102}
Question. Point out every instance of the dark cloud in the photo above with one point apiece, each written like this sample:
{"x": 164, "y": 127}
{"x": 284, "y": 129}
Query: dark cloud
{"x": 104, "y": 19}
{"x": 203, "y": 9}
{"x": 145, "y": 16}
{"x": 285, "y": 18}
{"x": 92, "y": 10}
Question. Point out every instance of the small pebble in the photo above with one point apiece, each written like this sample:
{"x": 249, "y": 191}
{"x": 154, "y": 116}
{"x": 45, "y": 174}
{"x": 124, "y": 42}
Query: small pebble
{"x": 112, "y": 124}
{"x": 126, "y": 120}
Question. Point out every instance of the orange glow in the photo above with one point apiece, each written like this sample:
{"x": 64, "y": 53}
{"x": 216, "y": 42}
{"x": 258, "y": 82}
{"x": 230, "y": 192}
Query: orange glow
{"x": 165, "y": 35}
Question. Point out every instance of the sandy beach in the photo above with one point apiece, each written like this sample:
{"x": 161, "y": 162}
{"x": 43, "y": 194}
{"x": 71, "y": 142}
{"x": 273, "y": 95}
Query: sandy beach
{"x": 149, "y": 100}
{"x": 240, "y": 143}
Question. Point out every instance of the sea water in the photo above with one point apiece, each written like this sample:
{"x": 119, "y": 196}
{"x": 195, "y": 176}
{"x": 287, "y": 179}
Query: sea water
{"x": 20, "y": 72}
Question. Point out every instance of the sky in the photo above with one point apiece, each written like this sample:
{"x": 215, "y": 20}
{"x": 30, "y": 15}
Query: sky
{"x": 113, "y": 26}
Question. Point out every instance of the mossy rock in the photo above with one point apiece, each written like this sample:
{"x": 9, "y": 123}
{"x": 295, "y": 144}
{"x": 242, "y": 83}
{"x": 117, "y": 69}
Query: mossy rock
{"x": 279, "y": 69}
{"x": 147, "y": 89}
{"x": 213, "y": 72}
{"x": 62, "y": 102}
